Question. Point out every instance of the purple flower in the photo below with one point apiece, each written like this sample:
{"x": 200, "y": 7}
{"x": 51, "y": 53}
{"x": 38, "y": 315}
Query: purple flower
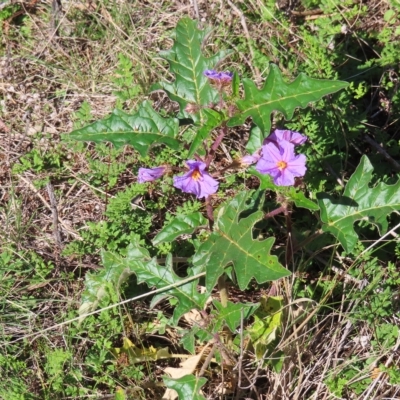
{"x": 150, "y": 174}
{"x": 197, "y": 181}
{"x": 281, "y": 163}
{"x": 223, "y": 78}
{"x": 250, "y": 160}
{"x": 280, "y": 135}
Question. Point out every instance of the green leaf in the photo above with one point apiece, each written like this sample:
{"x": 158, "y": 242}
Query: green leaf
{"x": 235, "y": 85}
{"x": 276, "y": 95}
{"x": 265, "y": 179}
{"x": 188, "y": 64}
{"x": 359, "y": 202}
{"x": 298, "y": 197}
{"x": 267, "y": 324}
{"x": 138, "y": 261}
{"x": 187, "y": 387}
{"x": 256, "y": 140}
{"x": 290, "y": 192}
{"x": 389, "y": 16}
{"x": 141, "y": 130}
{"x": 232, "y": 243}
{"x": 120, "y": 394}
{"x": 211, "y": 120}
{"x": 180, "y": 225}
{"x": 233, "y": 313}
{"x": 114, "y": 273}
{"x": 155, "y": 275}
{"x": 188, "y": 341}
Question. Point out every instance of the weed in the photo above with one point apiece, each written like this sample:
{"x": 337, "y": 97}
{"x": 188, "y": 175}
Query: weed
{"x": 334, "y": 327}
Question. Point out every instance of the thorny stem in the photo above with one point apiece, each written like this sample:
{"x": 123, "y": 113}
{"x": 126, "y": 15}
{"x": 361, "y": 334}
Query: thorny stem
{"x": 221, "y": 98}
{"x": 215, "y": 145}
{"x": 289, "y": 242}
{"x": 286, "y": 210}
{"x": 210, "y": 210}
{"x": 277, "y": 211}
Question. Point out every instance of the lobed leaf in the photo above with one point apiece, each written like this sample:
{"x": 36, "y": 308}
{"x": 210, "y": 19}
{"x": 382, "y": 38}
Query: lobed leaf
{"x": 180, "y": 225}
{"x": 138, "y": 261}
{"x": 359, "y": 202}
{"x": 155, "y": 275}
{"x": 113, "y": 274}
{"x": 187, "y": 64}
{"x": 141, "y": 130}
{"x": 233, "y": 313}
{"x": 267, "y": 325}
{"x": 277, "y": 95}
{"x": 211, "y": 120}
{"x": 232, "y": 243}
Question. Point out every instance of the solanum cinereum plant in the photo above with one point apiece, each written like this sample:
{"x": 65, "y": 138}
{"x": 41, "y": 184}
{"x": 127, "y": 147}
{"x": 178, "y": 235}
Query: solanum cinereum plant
{"x": 276, "y": 157}
{"x": 215, "y": 102}
{"x": 211, "y": 100}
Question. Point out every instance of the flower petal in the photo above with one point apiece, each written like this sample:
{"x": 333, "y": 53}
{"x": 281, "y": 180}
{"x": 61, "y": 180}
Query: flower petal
{"x": 280, "y": 135}
{"x": 150, "y": 174}
{"x": 197, "y": 181}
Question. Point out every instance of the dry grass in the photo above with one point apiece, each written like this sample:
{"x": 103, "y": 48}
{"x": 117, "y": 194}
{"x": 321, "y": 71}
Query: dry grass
{"x": 68, "y": 57}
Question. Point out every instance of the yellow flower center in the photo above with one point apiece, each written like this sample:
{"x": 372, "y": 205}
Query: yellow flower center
{"x": 196, "y": 175}
{"x": 281, "y": 165}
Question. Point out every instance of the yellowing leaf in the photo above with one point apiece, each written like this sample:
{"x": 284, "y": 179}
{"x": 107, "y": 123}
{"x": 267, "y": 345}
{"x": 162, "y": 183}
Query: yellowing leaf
{"x": 267, "y": 324}
{"x": 136, "y": 355}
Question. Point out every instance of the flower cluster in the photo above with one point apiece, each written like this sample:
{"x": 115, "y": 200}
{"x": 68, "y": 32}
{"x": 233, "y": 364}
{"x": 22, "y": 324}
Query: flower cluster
{"x": 278, "y": 158}
{"x": 196, "y": 181}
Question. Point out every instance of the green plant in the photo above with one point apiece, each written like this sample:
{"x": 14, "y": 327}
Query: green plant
{"x": 297, "y": 285}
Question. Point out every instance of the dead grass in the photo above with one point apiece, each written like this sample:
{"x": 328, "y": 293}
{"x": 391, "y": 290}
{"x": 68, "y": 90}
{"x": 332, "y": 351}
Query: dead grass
{"x": 45, "y": 76}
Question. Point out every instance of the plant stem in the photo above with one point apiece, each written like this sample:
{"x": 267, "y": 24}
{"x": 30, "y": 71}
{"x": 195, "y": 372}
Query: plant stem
{"x": 215, "y": 145}
{"x": 223, "y": 290}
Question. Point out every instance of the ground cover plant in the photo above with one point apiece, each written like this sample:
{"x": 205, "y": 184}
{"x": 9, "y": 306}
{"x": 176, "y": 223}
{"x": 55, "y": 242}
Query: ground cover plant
{"x": 200, "y": 201}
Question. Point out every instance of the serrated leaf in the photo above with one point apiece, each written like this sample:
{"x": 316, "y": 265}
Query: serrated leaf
{"x": 211, "y": 120}
{"x": 155, "y": 275}
{"x": 233, "y": 313}
{"x": 232, "y": 243}
{"x": 277, "y": 95}
{"x": 117, "y": 269}
{"x": 180, "y": 225}
{"x": 188, "y": 64}
{"x": 141, "y": 130}
{"x": 359, "y": 202}
{"x": 187, "y": 387}
{"x": 113, "y": 274}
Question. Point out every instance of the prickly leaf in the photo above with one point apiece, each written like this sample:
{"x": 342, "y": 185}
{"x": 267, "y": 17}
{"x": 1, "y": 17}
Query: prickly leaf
{"x": 180, "y": 225}
{"x": 277, "y": 95}
{"x": 187, "y": 64}
{"x": 232, "y": 243}
{"x": 140, "y": 130}
{"x": 359, "y": 202}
